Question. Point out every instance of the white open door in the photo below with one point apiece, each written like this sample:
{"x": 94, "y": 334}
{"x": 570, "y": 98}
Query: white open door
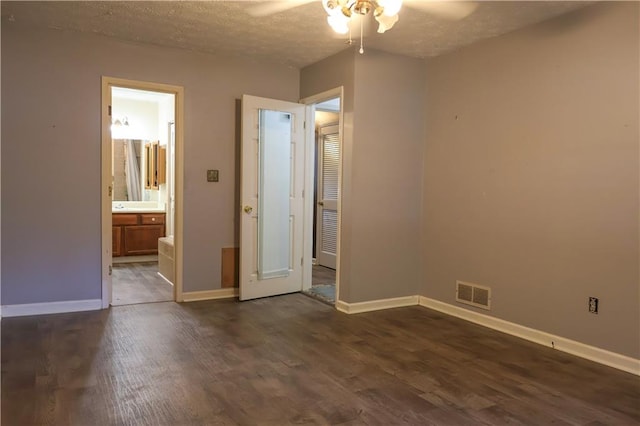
{"x": 271, "y": 192}
{"x": 327, "y": 221}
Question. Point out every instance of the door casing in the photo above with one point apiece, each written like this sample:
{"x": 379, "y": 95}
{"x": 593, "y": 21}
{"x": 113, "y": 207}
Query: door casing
{"x": 105, "y": 181}
{"x": 310, "y": 101}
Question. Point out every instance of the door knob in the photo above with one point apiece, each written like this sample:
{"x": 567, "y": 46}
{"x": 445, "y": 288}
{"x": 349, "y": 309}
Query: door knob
{"x": 321, "y": 203}
{"x": 248, "y": 209}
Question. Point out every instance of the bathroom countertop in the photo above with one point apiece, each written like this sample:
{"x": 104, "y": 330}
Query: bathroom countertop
{"x": 138, "y": 210}
{"x": 137, "y": 207}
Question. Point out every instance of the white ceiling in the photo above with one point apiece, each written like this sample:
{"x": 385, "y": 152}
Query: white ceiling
{"x": 297, "y": 36}
{"x": 140, "y": 95}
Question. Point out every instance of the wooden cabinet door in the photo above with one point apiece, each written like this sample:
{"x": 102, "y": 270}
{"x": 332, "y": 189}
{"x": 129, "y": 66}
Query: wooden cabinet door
{"x": 142, "y": 239}
{"x": 116, "y": 241}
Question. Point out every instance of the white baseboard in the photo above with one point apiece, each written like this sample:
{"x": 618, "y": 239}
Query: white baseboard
{"x": 221, "y": 293}
{"x": 601, "y": 356}
{"x": 51, "y": 307}
{"x": 376, "y": 305}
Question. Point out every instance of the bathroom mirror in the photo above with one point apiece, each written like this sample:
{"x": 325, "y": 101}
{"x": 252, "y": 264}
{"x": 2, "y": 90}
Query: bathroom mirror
{"x": 128, "y": 171}
{"x": 274, "y": 186}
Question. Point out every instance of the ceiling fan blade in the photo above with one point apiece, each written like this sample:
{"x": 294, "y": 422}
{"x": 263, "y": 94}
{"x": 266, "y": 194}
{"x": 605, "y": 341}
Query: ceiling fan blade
{"x": 452, "y": 10}
{"x": 265, "y": 8}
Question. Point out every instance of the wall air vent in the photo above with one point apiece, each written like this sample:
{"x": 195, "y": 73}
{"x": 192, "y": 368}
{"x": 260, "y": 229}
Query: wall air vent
{"x": 473, "y": 294}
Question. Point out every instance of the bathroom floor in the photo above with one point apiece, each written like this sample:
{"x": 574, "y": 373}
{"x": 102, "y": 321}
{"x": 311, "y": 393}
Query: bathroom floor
{"x": 139, "y": 283}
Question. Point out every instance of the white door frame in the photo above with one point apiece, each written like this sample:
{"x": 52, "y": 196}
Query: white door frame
{"x": 106, "y": 178}
{"x": 310, "y": 153}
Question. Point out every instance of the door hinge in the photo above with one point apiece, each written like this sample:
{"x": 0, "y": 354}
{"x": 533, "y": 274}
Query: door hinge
{"x": 110, "y": 270}
{"x": 302, "y": 261}
{"x": 110, "y": 190}
{"x": 109, "y": 110}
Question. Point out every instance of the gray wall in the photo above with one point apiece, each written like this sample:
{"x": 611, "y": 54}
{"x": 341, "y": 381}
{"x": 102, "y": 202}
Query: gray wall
{"x": 382, "y": 170}
{"x": 531, "y": 175}
{"x": 335, "y": 71}
{"x": 51, "y": 91}
{"x": 525, "y": 178}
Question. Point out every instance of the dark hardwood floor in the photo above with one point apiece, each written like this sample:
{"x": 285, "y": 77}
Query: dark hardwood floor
{"x": 139, "y": 283}
{"x": 292, "y": 360}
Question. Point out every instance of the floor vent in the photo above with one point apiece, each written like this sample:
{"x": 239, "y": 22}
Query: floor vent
{"x": 473, "y": 294}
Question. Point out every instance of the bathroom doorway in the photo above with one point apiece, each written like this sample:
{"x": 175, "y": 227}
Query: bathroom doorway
{"x": 141, "y": 160}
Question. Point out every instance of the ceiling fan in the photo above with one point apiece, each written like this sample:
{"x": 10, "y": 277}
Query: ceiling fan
{"x": 385, "y": 12}
{"x": 451, "y": 10}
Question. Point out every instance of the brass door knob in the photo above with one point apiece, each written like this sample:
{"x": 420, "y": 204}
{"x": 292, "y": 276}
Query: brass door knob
{"x": 248, "y": 209}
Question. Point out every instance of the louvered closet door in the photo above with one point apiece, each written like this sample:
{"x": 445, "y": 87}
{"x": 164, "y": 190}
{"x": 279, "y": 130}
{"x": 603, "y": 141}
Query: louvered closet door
{"x": 327, "y": 218}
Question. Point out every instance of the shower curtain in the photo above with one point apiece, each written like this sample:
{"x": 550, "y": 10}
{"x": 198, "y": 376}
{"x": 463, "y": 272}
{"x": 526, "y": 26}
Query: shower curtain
{"x": 132, "y": 172}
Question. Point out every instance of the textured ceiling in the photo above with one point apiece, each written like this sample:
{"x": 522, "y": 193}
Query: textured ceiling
{"x": 297, "y": 36}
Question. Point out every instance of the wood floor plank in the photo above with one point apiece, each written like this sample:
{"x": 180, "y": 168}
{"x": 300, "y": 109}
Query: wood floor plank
{"x": 139, "y": 282}
{"x": 293, "y": 360}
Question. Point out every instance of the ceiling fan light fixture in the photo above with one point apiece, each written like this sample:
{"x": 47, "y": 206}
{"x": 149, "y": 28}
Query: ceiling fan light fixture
{"x": 391, "y": 7}
{"x": 346, "y": 8}
{"x": 385, "y": 22}
{"x": 338, "y": 23}
{"x": 340, "y": 12}
{"x": 362, "y": 7}
{"x": 331, "y": 6}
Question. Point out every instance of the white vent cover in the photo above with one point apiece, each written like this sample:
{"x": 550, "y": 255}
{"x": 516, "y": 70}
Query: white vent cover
{"x": 473, "y": 294}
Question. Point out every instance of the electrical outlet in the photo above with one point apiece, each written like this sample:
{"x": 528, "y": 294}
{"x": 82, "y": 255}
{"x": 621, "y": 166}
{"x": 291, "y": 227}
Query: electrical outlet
{"x": 593, "y": 305}
{"x": 212, "y": 176}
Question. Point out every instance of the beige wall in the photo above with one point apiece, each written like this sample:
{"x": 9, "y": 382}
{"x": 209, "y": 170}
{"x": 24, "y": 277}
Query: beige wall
{"x": 51, "y": 88}
{"x": 382, "y": 169}
{"x": 531, "y": 175}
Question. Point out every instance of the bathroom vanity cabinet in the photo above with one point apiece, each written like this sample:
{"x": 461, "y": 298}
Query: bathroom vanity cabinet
{"x": 137, "y": 233}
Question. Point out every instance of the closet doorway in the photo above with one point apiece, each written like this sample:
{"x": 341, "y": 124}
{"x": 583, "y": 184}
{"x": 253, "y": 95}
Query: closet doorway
{"x": 141, "y": 162}
{"x": 327, "y": 166}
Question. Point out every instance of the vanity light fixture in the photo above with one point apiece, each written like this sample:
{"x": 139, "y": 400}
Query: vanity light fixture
{"x": 123, "y": 122}
{"x": 120, "y": 128}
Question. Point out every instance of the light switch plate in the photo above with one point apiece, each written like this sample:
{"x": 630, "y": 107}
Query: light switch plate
{"x": 212, "y": 175}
